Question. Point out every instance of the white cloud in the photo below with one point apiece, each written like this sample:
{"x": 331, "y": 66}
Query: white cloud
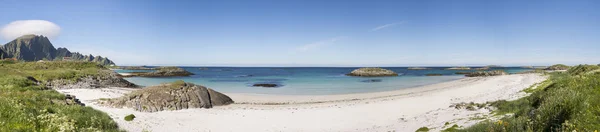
{"x": 19, "y": 28}
{"x": 386, "y": 26}
{"x": 319, "y": 44}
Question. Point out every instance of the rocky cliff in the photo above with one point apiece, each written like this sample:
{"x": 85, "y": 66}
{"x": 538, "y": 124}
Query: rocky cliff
{"x": 34, "y": 48}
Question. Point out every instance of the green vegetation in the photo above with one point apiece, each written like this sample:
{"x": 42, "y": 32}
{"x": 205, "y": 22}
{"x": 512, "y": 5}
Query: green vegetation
{"x": 567, "y": 101}
{"x": 558, "y": 67}
{"x": 451, "y": 129}
{"x": 129, "y": 117}
{"x": 26, "y": 105}
{"x": 422, "y": 129}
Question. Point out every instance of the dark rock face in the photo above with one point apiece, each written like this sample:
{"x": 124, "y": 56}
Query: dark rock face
{"x": 35, "y": 48}
{"x": 486, "y": 73}
{"x": 72, "y": 100}
{"x": 106, "y": 79}
{"x": 173, "y": 96}
{"x": 268, "y": 85}
{"x": 372, "y": 72}
{"x": 163, "y": 72}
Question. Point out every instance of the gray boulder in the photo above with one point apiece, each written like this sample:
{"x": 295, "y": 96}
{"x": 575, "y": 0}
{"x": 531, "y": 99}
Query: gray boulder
{"x": 171, "y": 96}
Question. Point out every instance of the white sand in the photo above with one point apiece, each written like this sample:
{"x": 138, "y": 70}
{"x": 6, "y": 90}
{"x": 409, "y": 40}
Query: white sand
{"x": 401, "y": 110}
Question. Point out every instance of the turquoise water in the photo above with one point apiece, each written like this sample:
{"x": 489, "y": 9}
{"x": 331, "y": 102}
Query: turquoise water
{"x": 306, "y": 80}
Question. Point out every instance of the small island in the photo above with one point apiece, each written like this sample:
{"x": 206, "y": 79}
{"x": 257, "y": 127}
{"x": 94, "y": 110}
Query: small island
{"x": 418, "y": 68}
{"x": 161, "y": 72}
{"x": 372, "y": 72}
{"x": 459, "y": 68}
{"x": 486, "y": 73}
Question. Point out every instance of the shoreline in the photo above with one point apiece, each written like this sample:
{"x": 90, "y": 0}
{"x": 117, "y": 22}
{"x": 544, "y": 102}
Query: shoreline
{"x": 400, "y": 110}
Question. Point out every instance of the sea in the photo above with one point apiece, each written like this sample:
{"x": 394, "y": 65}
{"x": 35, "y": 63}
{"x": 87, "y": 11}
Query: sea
{"x": 307, "y": 80}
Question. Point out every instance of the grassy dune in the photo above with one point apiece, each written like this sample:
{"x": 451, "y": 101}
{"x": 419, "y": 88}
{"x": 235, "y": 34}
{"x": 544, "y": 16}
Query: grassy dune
{"x": 567, "y": 101}
{"x": 28, "y": 106}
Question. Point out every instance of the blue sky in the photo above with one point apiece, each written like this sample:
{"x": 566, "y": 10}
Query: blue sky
{"x": 322, "y": 33}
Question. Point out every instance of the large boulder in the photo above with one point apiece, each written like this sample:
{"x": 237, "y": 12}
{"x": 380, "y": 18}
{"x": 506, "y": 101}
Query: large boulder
{"x": 162, "y": 72}
{"x": 171, "y": 96}
{"x": 372, "y": 72}
{"x": 486, "y": 73}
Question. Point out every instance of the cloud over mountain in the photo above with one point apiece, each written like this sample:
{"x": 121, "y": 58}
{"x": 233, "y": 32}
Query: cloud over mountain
{"x": 19, "y": 28}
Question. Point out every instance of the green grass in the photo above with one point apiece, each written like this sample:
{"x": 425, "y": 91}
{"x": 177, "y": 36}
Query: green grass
{"x": 129, "y": 117}
{"x": 422, "y": 129}
{"x": 568, "y": 101}
{"x": 27, "y": 106}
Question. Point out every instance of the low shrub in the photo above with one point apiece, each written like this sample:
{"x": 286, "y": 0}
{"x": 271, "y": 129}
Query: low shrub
{"x": 129, "y": 117}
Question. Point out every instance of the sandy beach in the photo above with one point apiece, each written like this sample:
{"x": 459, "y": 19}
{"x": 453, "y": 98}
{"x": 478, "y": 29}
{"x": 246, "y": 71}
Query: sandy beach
{"x": 400, "y": 110}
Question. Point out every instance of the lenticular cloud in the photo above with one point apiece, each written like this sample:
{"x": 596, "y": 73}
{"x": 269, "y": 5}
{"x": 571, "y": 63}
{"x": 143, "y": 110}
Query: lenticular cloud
{"x": 23, "y": 27}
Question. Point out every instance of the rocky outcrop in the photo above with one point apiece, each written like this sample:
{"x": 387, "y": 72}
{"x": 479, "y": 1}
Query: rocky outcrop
{"x": 162, "y": 72}
{"x": 463, "y": 73}
{"x": 172, "y": 96}
{"x": 35, "y": 48}
{"x": 558, "y": 67}
{"x": 105, "y": 79}
{"x": 372, "y": 72}
{"x": 417, "y": 68}
{"x": 459, "y": 68}
{"x": 486, "y": 73}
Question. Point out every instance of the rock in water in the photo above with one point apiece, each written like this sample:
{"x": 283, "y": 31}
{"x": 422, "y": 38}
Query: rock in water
{"x": 486, "y": 73}
{"x": 268, "y": 85}
{"x": 172, "y": 96}
{"x": 434, "y": 74}
{"x": 372, "y": 72}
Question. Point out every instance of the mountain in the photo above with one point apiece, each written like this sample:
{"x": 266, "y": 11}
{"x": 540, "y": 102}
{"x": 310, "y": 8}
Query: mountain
{"x": 34, "y": 48}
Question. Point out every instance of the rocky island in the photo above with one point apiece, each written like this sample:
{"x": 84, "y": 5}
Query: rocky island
{"x": 161, "y": 72}
{"x": 459, "y": 68}
{"x": 170, "y": 96}
{"x": 417, "y": 68}
{"x": 372, "y": 72}
{"x": 486, "y": 73}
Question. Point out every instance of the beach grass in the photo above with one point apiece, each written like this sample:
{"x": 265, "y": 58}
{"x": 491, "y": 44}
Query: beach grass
{"x": 567, "y": 101}
{"x": 26, "y": 105}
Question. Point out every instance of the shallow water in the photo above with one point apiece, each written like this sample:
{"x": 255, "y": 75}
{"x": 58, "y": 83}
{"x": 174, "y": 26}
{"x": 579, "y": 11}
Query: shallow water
{"x": 306, "y": 80}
